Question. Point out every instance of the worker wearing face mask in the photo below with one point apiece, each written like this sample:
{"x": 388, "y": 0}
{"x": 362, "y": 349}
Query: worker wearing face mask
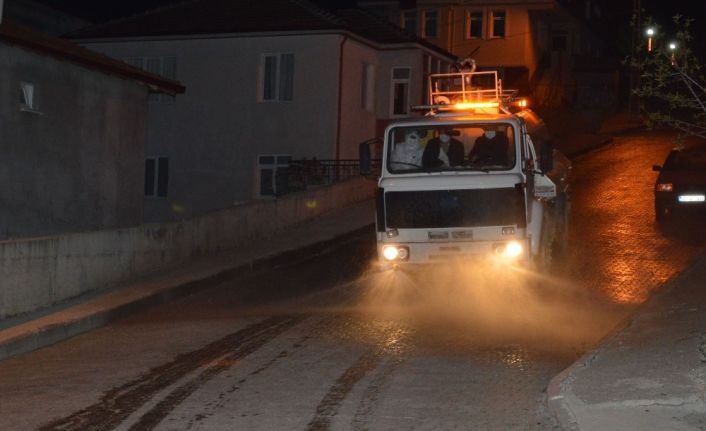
{"x": 491, "y": 147}
{"x": 443, "y": 150}
{"x": 408, "y": 154}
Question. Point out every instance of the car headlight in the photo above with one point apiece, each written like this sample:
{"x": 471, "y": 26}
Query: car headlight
{"x": 509, "y": 250}
{"x": 395, "y": 252}
{"x": 664, "y": 187}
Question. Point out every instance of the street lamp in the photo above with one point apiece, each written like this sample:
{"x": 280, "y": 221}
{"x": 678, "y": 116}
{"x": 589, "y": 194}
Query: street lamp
{"x": 650, "y": 34}
{"x": 673, "y": 48}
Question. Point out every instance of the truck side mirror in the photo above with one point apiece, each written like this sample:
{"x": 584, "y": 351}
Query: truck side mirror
{"x": 546, "y": 157}
{"x": 364, "y": 156}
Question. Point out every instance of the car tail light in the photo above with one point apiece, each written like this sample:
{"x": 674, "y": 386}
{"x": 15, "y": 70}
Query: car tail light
{"x": 664, "y": 187}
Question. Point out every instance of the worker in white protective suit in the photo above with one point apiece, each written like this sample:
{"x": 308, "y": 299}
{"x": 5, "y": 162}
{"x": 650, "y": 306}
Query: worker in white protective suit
{"x": 408, "y": 154}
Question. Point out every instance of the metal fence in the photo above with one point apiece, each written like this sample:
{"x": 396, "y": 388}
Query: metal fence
{"x": 307, "y": 173}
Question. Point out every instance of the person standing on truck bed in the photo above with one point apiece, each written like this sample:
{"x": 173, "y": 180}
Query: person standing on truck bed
{"x": 443, "y": 150}
{"x": 491, "y": 148}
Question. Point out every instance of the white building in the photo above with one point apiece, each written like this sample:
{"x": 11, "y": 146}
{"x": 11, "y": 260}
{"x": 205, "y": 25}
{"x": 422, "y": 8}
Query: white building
{"x": 264, "y": 78}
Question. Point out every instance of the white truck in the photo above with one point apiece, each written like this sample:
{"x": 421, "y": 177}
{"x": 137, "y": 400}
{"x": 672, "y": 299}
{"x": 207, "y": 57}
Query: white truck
{"x": 475, "y": 178}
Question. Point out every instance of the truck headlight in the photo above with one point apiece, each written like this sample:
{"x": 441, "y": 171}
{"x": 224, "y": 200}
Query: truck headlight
{"x": 509, "y": 250}
{"x": 395, "y": 252}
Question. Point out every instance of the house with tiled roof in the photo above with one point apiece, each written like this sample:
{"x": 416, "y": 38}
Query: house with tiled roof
{"x": 268, "y": 82}
{"x": 73, "y": 131}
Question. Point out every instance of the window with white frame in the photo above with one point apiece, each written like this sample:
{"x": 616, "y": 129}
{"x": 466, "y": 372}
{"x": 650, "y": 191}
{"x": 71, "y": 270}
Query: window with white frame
{"x": 160, "y": 66}
{"x": 474, "y": 24}
{"x": 400, "y": 91}
{"x": 497, "y": 23}
{"x": 277, "y": 77}
{"x": 271, "y": 175}
{"x": 408, "y": 21}
{"x": 27, "y": 96}
{"x": 156, "y": 176}
{"x": 367, "y": 87}
{"x": 430, "y": 21}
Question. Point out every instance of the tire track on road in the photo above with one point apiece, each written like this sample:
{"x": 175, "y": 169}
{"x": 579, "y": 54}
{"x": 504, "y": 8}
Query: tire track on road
{"x": 119, "y": 403}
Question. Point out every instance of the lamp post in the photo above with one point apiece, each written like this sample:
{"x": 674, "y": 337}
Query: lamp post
{"x": 673, "y": 48}
{"x": 650, "y": 32}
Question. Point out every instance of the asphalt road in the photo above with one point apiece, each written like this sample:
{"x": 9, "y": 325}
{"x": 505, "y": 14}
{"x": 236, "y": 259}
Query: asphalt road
{"x": 325, "y": 343}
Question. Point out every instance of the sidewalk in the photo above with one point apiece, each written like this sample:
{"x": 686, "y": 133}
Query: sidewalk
{"x": 651, "y": 374}
{"x": 42, "y": 329}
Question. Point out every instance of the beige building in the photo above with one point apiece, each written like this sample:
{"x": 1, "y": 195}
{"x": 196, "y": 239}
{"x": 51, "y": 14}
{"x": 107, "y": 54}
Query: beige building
{"x": 537, "y": 45}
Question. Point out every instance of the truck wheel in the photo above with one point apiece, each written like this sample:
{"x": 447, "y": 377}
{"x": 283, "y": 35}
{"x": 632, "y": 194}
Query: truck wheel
{"x": 560, "y": 244}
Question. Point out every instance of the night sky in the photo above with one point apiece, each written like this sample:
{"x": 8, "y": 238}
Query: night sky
{"x": 104, "y": 10}
{"x": 614, "y": 29}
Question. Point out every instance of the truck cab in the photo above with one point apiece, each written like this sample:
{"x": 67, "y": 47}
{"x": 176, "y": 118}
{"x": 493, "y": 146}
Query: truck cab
{"x": 473, "y": 179}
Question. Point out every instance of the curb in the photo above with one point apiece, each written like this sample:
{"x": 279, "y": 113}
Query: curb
{"x": 559, "y": 394}
{"x": 100, "y": 311}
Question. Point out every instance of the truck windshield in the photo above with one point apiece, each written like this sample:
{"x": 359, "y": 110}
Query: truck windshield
{"x": 451, "y": 148}
{"x": 454, "y": 208}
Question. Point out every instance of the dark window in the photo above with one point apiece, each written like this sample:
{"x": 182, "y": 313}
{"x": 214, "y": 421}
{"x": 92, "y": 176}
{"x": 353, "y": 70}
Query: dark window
{"x": 286, "y": 77}
{"x": 270, "y": 78}
{"x": 162, "y": 176}
{"x": 430, "y": 23}
{"x": 400, "y": 90}
{"x": 400, "y": 99}
{"x": 267, "y": 186}
{"x": 474, "y": 25}
{"x": 150, "y": 170}
{"x": 498, "y": 23}
{"x": 156, "y": 176}
{"x": 559, "y": 40}
{"x": 278, "y": 77}
{"x": 454, "y": 208}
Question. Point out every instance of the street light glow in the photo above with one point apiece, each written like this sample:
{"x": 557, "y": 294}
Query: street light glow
{"x": 650, "y": 33}
{"x": 672, "y": 46}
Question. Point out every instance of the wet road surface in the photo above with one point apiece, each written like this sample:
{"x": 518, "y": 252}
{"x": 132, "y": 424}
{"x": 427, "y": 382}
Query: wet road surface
{"x": 324, "y": 344}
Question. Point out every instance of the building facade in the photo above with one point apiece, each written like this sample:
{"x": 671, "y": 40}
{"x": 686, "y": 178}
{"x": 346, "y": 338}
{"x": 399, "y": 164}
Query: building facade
{"x": 538, "y": 46}
{"x": 313, "y": 86}
{"x": 73, "y": 131}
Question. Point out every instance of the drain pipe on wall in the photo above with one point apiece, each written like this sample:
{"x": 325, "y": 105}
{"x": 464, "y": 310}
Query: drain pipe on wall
{"x": 1, "y": 2}
{"x": 340, "y": 94}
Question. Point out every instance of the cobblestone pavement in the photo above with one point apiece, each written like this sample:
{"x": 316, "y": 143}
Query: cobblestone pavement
{"x": 617, "y": 247}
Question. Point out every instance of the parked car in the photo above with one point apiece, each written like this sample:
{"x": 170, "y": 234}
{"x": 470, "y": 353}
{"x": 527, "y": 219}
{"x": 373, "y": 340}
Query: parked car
{"x": 681, "y": 183}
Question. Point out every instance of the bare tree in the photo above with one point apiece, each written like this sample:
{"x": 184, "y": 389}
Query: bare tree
{"x": 671, "y": 83}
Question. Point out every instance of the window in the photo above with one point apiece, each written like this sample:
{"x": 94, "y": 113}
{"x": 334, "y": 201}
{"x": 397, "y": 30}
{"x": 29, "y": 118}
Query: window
{"x": 400, "y": 91}
{"x": 160, "y": 66}
{"x": 156, "y": 176}
{"x": 277, "y": 77}
{"x": 367, "y": 87}
{"x": 559, "y": 40}
{"x": 409, "y": 21}
{"x": 498, "y": 23}
{"x": 27, "y": 97}
{"x": 474, "y": 24}
{"x": 430, "y": 24}
{"x": 272, "y": 175}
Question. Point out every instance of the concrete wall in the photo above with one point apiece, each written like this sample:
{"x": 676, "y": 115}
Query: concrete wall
{"x": 36, "y": 273}
{"x": 75, "y": 161}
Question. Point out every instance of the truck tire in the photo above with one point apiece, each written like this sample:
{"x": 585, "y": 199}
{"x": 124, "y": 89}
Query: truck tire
{"x": 554, "y": 238}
